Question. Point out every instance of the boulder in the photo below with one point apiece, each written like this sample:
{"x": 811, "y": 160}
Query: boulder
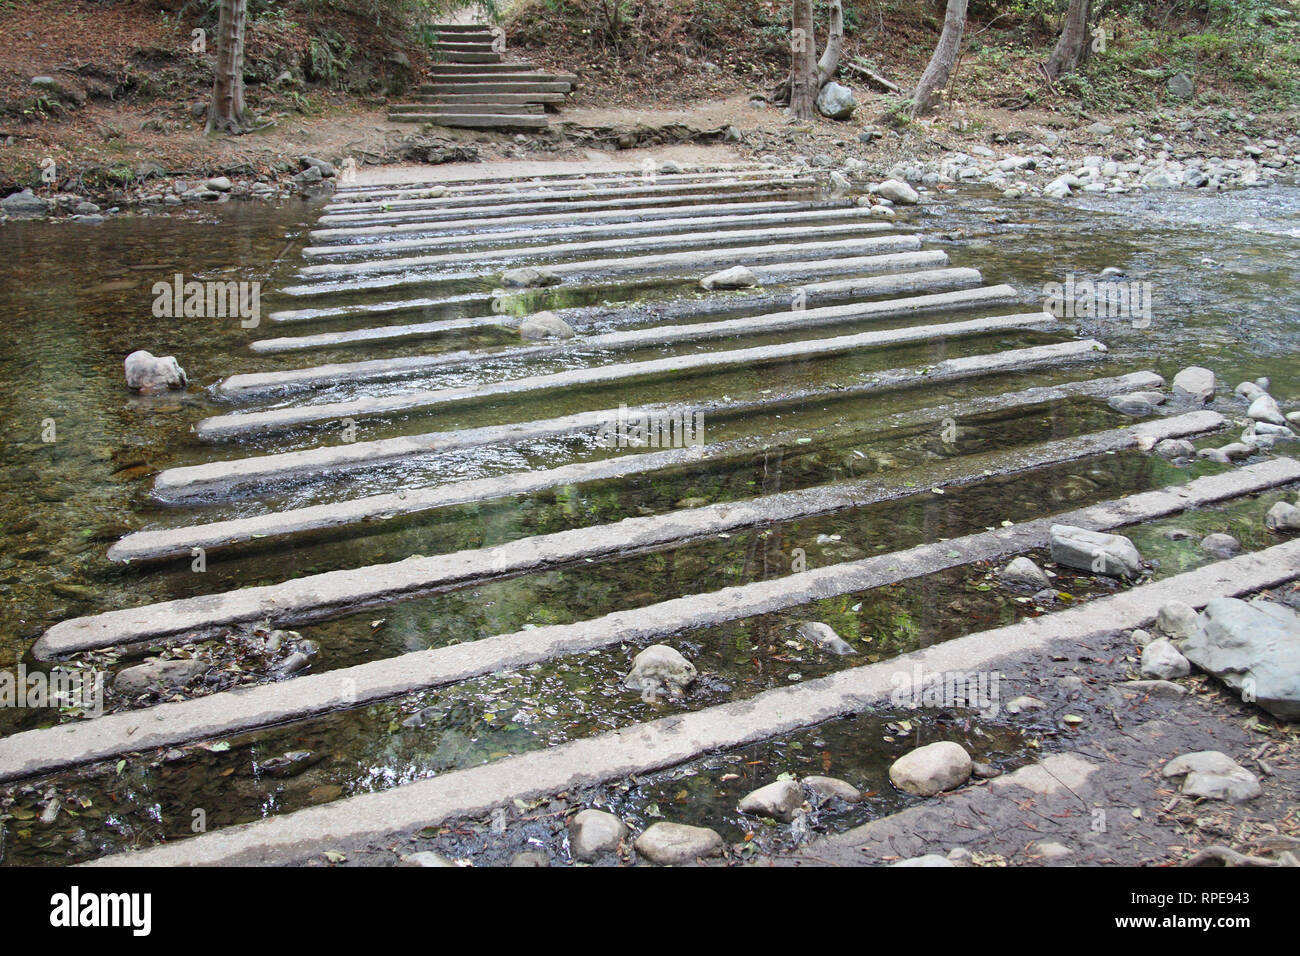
{"x": 898, "y": 192}
{"x": 1177, "y": 620}
{"x": 146, "y": 372}
{"x": 1110, "y": 554}
{"x": 544, "y": 325}
{"x": 1023, "y": 573}
{"x": 158, "y": 674}
{"x": 777, "y": 800}
{"x": 24, "y": 204}
{"x": 737, "y": 277}
{"x": 529, "y": 277}
{"x": 1254, "y": 648}
{"x": 672, "y": 844}
{"x": 593, "y": 833}
{"x": 931, "y": 769}
{"x": 832, "y": 787}
{"x": 326, "y": 169}
{"x": 1161, "y": 661}
{"x": 1265, "y": 409}
{"x": 1283, "y": 516}
{"x": 1180, "y": 86}
{"x": 814, "y": 632}
{"x": 660, "y": 669}
{"x": 1195, "y": 384}
{"x": 836, "y": 101}
{"x": 1212, "y": 775}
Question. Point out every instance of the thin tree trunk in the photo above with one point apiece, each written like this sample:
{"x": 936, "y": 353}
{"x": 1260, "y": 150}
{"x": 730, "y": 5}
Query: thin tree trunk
{"x": 1072, "y": 48}
{"x": 803, "y": 62}
{"x": 935, "y": 77}
{"x": 830, "y": 61}
{"x": 226, "y": 111}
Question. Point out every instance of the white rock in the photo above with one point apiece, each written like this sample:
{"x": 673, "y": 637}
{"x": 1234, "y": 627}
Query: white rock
{"x": 660, "y": 669}
{"x": 737, "y": 277}
{"x": 930, "y": 859}
{"x": 593, "y": 833}
{"x": 544, "y": 325}
{"x": 777, "y": 800}
{"x": 1177, "y": 620}
{"x": 1212, "y": 775}
{"x": 1195, "y": 384}
{"x": 931, "y": 769}
{"x": 1022, "y": 572}
{"x": 1110, "y": 554}
{"x": 1265, "y": 409}
{"x": 824, "y": 637}
{"x": 1161, "y": 661}
{"x": 146, "y": 372}
{"x": 897, "y": 191}
{"x": 1283, "y": 517}
{"x": 828, "y": 787}
{"x": 672, "y": 844}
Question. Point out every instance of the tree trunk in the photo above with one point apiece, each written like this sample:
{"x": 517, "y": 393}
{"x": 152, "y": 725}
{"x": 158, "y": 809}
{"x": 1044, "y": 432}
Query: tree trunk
{"x": 1072, "y": 48}
{"x": 935, "y": 77}
{"x": 830, "y": 61}
{"x": 226, "y": 111}
{"x": 803, "y": 62}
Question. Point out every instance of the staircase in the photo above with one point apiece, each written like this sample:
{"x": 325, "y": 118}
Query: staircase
{"x": 470, "y": 86}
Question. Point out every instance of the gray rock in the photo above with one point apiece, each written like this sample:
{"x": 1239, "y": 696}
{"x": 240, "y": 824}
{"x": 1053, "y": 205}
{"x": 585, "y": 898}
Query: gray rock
{"x": 1100, "y": 129}
{"x": 220, "y": 184}
{"x": 1283, "y": 516}
{"x": 1131, "y": 405}
{"x": 1249, "y": 391}
{"x": 779, "y": 800}
{"x": 1252, "y": 647}
{"x": 1175, "y": 448}
{"x": 836, "y": 101}
{"x": 25, "y": 204}
{"x": 530, "y": 858}
{"x": 660, "y": 669}
{"x": 1050, "y": 850}
{"x": 833, "y": 787}
{"x": 1180, "y": 86}
{"x": 326, "y": 169}
{"x": 1212, "y": 775}
{"x": 158, "y": 674}
{"x": 931, "y": 769}
{"x": 529, "y": 277}
{"x": 1161, "y": 661}
{"x": 898, "y": 192}
{"x": 426, "y": 858}
{"x": 1220, "y": 545}
{"x": 544, "y": 325}
{"x": 292, "y": 664}
{"x": 1018, "y": 705}
{"x": 1021, "y": 572}
{"x": 1265, "y": 409}
{"x": 672, "y": 844}
{"x": 1110, "y": 554}
{"x": 146, "y": 372}
{"x": 737, "y": 277}
{"x": 824, "y": 637}
{"x": 1150, "y": 688}
{"x": 1195, "y": 384}
{"x": 593, "y": 833}
{"x": 1177, "y": 620}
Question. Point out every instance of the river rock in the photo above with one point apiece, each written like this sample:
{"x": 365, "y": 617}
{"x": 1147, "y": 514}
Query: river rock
{"x": 426, "y": 858}
{"x": 1265, "y": 409}
{"x": 737, "y": 277}
{"x": 1249, "y": 391}
{"x": 1212, "y": 775}
{"x": 1161, "y": 661}
{"x": 220, "y": 184}
{"x": 833, "y": 787}
{"x": 836, "y": 101}
{"x": 530, "y": 858}
{"x": 1111, "y": 554}
{"x": 529, "y": 277}
{"x": 1021, "y": 572}
{"x": 1195, "y": 384}
{"x": 1024, "y": 703}
{"x": 326, "y": 169}
{"x": 1254, "y": 648}
{"x": 931, "y": 769}
{"x": 1134, "y": 405}
{"x": 672, "y": 844}
{"x": 930, "y": 859}
{"x": 146, "y": 372}
{"x": 1220, "y": 545}
{"x": 898, "y": 192}
{"x": 824, "y": 637}
{"x": 24, "y": 204}
{"x": 660, "y": 669}
{"x": 593, "y": 833}
{"x": 544, "y": 325}
{"x": 158, "y": 674}
{"x": 1177, "y": 620}
{"x": 1283, "y": 516}
{"x": 777, "y": 800}
{"x": 1175, "y": 448}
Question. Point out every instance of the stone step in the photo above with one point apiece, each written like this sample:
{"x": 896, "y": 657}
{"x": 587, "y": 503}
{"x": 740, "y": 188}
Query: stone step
{"x": 485, "y": 105}
{"x": 470, "y": 56}
{"x": 472, "y": 120}
{"x": 249, "y": 424}
{"x": 418, "y": 102}
{"x": 497, "y": 86}
{"x": 487, "y": 69}
{"x": 439, "y": 78}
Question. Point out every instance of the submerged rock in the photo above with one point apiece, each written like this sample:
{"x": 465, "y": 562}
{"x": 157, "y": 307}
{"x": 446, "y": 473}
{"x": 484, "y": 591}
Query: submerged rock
{"x": 672, "y": 844}
{"x": 146, "y": 372}
{"x": 824, "y": 637}
{"x": 833, "y": 787}
{"x": 660, "y": 669}
{"x": 737, "y": 277}
{"x": 158, "y": 674}
{"x": 544, "y": 325}
{"x": 530, "y": 277}
{"x": 1021, "y": 572}
{"x": 593, "y": 833}
{"x": 1220, "y": 545}
{"x": 1175, "y": 448}
{"x": 1212, "y": 775}
{"x": 1110, "y": 554}
{"x": 1254, "y": 648}
{"x": 931, "y": 769}
{"x": 777, "y": 800}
